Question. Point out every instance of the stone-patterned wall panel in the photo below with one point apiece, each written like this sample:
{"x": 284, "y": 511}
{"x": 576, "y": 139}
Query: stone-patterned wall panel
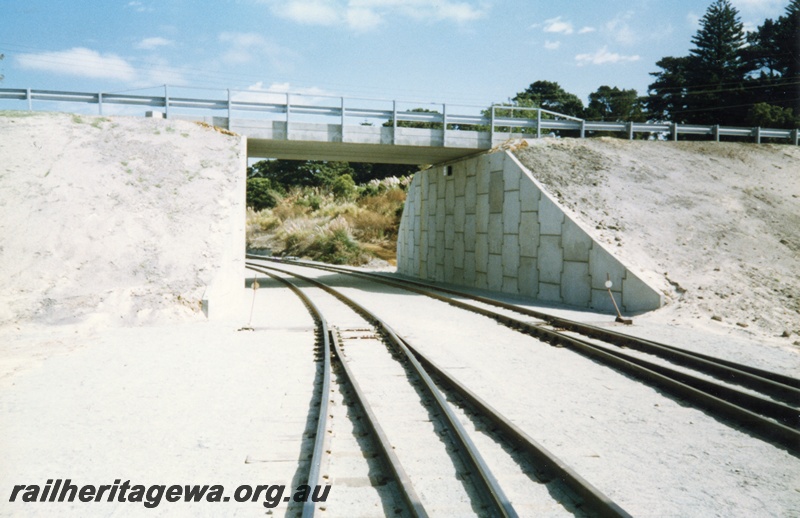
{"x": 490, "y": 225}
{"x": 575, "y": 285}
{"x": 550, "y": 259}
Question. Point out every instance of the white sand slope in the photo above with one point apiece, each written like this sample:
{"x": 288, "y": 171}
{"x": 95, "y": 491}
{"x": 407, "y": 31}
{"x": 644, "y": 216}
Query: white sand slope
{"x": 118, "y": 221}
{"x": 716, "y": 226}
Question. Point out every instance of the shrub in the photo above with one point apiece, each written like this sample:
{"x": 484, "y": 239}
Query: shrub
{"x": 260, "y": 194}
{"x": 343, "y": 187}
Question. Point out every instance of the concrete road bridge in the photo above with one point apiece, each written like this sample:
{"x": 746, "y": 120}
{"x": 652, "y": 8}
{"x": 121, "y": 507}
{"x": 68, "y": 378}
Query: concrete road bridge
{"x": 473, "y": 219}
{"x": 319, "y": 127}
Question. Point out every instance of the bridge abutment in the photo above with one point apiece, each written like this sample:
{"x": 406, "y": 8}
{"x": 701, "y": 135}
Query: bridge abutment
{"x": 485, "y": 222}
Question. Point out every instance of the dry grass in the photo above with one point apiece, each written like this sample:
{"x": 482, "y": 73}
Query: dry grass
{"x": 315, "y": 225}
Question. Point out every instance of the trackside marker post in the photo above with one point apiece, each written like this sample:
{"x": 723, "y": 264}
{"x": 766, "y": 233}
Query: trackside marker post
{"x": 619, "y": 318}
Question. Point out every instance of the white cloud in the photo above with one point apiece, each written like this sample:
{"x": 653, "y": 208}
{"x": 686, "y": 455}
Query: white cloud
{"x": 693, "y": 19}
{"x": 604, "y": 57}
{"x": 557, "y": 25}
{"x": 760, "y": 6}
{"x": 312, "y": 12}
{"x": 586, "y": 30}
{"x": 246, "y": 47}
{"x": 153, "y": 43}
{"x": 287, "y": 87}
{"x": 552, "y": 45}
{"x": 361, "y": 18}
{"x": 620, "y": 29}
{"x": 749, "y": 26}
{"x": 159, "y": 71}
{"x": 369, "y": 14}
{"x": 79, "y": 61}
{"x": 139, "y": 7}
{"x": 276, "y": 93}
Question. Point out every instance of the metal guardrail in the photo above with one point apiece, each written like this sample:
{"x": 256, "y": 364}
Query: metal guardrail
{"x": 533, "y": 120}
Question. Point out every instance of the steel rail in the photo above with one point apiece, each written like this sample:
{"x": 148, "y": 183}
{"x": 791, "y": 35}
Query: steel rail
{"x": 595, "y": 501}
{"x": 330, "y": 339}
{"x": 778, "y": 386}
{"x": 487, "y": 482}
{"x": 309, "y": 506}
{"x": 750, "y": 412}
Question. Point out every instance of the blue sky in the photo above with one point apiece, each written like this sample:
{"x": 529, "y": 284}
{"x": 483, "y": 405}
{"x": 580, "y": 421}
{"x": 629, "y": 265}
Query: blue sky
{"x": 456, "y": 51}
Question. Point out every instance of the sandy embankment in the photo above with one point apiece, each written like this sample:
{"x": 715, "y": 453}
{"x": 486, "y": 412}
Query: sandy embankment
{"x": 119, "y": 221}
{"x": 715, "y": 226}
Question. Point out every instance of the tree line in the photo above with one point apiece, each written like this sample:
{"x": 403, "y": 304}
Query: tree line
{"x": 729, "y": 77}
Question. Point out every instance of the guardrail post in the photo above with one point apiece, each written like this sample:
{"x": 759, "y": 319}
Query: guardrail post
{"x": 100, "y": 103}
{"x": 630, "y": 131}
{"x": 758, "y": 134}
{"x": 583, "y": 129}
{"x": 444, "y": 125}
{"x": 288, "y": 109}
{"x": 342, "y": 108}
{"x": 538, "y": 123}
{"x": 30, "y": 100}
{"x": 796, "y": 136}
{"x": 491, "y": 129}
{"x": 674, "y": 131}
{"x": 230, "y": 109}
{"x": 394, "y": 122}
{"x": 715, "y": 132}
{"x": 166, "y": 101}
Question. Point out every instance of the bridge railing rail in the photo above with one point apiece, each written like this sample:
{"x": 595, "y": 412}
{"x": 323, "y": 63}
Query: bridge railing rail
{"x": 499, "y": 120}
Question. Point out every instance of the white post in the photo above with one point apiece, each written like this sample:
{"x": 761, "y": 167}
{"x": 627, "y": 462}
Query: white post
{"x": 30, "y": 101}
{"x": 100, "y": 103}
{"x": 166, "y": 101}
{"x": 230, "y": 109}
{"x": 444, "y": 125}
{"x": 288, "y": 109}
{"x": 538, "y": 123}
{"x": 342, "y": 108}
{"x": 394, "y": 122}
{"x": 491, "y": 133}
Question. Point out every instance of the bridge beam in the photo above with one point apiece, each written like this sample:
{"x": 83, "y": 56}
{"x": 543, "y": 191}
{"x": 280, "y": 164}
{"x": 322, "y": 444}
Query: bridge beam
{"x": 353, "y": 152}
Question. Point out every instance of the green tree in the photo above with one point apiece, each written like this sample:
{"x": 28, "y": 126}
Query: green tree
{"x": 343, "y": 187}
{"x": 550, "y": 96}
{"x": 666, "y": 98}
{"x": 304, "y": 173}
{"x": 260, "y": 193}
{"x": 716, "y": 70}
{"x": 547, "y": 95}
{"x": 613, "y": 104}
{"x": 363, "y": 172}
{"x": 773, "y": 60}
{"x": 415, "y": 124}
{"x": 771, "y": 116}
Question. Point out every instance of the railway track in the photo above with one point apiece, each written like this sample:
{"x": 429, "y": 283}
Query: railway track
{"x": 764, "y": 404}
{"x": 414, "y": 414}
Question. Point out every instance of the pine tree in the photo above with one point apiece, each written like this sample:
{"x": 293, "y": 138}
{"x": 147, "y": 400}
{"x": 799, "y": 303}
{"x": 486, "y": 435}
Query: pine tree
{"x": 716, "y": 69}
{"x": 666, "y": 99}
{"x": 773, "y": 56}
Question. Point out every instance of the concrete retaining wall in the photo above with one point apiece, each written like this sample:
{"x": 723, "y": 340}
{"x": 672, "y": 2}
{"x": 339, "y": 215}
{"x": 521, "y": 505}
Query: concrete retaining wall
{"x": 225, "y": 298}
{"x": 486, "y": 223}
